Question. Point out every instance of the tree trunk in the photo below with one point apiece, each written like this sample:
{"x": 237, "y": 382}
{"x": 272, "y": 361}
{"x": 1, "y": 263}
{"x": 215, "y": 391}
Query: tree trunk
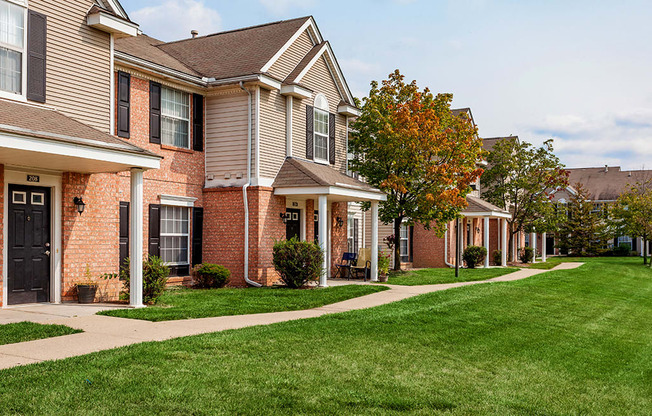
{"x": 397, "y": 243}
{"x": 644, "y": 250}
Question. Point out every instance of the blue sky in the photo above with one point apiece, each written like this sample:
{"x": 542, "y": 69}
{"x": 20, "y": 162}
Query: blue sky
{"x": 576, "y": 71}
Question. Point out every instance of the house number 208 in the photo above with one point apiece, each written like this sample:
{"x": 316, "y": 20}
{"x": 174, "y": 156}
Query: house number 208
{"x": 33, "y": 178}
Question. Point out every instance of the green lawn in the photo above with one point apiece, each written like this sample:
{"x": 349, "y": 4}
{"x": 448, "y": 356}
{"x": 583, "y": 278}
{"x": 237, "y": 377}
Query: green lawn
{"x": 560, "y": 343}
{"x": 183, "y": 303}
{"x": 29, "y": 331}
{"x": 437, "y": 276}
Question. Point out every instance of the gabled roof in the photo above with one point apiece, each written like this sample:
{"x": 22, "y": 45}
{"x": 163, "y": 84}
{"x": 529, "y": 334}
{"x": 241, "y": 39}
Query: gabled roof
{"x": 608, "y": 182}
{"x": 489, "y": 143}
{"x": 147, "y": 48}
{"x": 298, "y": 173}
{"x": 480, "y": 206}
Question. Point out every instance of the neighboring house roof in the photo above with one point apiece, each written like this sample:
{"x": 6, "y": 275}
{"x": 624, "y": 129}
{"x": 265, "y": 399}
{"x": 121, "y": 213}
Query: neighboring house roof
{"x": 489, "y": 143}
{"x": 478, "y": 205}
{"x": 147, "y": 48}
{"x": 608, "y": 182}
{"x": 297, "y": 173}
{"x": 45, "y": 123}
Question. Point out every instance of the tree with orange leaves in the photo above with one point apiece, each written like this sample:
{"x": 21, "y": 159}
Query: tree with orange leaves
{"x": 408, "y": 144}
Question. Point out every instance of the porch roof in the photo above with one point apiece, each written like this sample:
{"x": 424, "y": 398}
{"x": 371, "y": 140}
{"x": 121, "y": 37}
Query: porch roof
{"x": 308, "y": 179}
{"x": 478, "y": 207}
{"x": 41, "y": 137}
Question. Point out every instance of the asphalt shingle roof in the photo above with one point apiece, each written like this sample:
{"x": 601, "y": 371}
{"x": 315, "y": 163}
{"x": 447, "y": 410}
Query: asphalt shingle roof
{"x": 606, "y": 184}
{"x": 299, "y": 173}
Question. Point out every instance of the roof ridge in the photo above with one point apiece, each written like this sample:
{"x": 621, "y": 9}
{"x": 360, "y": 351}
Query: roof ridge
{"x": 242, "y": 29}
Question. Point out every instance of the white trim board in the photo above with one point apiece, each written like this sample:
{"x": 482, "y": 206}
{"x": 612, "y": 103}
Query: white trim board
{"x": 333, "y": 67}
{"x": 310, "y": 23}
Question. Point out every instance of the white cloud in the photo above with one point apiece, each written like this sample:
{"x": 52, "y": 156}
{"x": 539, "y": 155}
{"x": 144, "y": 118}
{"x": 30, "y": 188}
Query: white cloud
{"x": 280, "y": 7}
{"x": 174, "y": 19}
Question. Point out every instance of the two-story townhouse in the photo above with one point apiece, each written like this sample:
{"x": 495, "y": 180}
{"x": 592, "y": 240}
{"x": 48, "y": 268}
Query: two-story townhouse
{"x": 59, "y": 159}
{"x": 275, "y": 118}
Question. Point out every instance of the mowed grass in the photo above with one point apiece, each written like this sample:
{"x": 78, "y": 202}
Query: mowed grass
{"x": 29, "y": 331}
{"x": 438, "y": 276}
{"x": 559, "y": 343}
{"x": 183, "y": 303}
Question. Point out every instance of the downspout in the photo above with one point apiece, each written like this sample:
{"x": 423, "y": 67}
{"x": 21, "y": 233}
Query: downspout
{"x": 446, "y": 249}
{"x": 244, "y": 193}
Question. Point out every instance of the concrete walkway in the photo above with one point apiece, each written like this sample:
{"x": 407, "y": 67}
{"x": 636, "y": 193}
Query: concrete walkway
{"x": 105, "y": 332}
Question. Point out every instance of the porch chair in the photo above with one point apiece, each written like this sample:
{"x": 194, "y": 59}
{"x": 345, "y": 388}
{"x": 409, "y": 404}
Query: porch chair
{"x": 363, "y": 265}
{"x": 348, "y": 260}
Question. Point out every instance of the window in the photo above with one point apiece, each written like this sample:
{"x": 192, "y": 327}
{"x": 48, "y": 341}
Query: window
{"x": 12, "y": 46}
{"x": 625, "y": 241}
{"x": 175, "y": 118}
{"x": 321, "y": 128}
{"x": 353, "y": 234}
{"x": 175, "y": 235}
{"x": 404, "y": 243}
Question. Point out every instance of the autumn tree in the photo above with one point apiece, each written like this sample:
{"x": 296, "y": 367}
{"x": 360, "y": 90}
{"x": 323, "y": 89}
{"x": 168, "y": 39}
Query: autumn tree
{"x": 407, "y": 143}
{"x": 521, "y": 179}
{"x": 587, "y": 230}
{"x": 632, "y": 213}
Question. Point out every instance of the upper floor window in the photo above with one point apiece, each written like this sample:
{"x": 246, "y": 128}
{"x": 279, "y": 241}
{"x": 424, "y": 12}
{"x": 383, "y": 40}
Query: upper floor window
{"x": 12, "y": 46}
{"x": 175, "y": 118}
{"x": 321, "y": 128}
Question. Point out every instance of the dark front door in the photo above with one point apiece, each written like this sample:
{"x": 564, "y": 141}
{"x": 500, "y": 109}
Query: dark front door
{"x": 28, "y": 248}
{"x": 550, "y": 245}
{"x": 293, "y": 224}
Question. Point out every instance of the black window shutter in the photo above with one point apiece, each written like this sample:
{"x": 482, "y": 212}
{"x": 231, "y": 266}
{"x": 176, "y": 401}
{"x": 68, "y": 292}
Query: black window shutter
{"x": 124, "y": 98}
{"x": 154, "y": 230}
{"x": 36, "y": 51}
{"x": 197, "y": 234}
{"x": 154, "y": 112}
{"x": 410, "y": 243}
{"x": 310, "y": 121}
{"x": 331, "y": 138}
{"x": 198, "y": 122}
{"x": 124, "y": 232}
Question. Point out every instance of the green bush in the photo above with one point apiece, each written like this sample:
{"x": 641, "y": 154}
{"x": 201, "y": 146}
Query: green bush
{"x": 209, "y": 275}
{"x": 474, "y": 255}
{"x": 527, "y": 254}
{"x": 297, "y": 262}
{"x": 623, "y": 250}
{"x": 498, "y": 257}
{"x": 155, "y": 276}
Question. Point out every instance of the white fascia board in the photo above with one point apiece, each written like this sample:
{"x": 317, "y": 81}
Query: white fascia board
{"x": 349, "y": 110}
{"x": 358, "y": 195}
{"x": 310, "y": 64}
{"x": 287, "y": 45}
{"x": 159, "y": 70}
{"x": 334, "y": 67}
{"x": 296, "y": 91}
{"x": 177, "y": 201}
{"x": 117, "y": 7}
{"x": 111, "y": 24}
{"x": 491, "y": 214}
{"x": 269, "y": 83}
{"x": 53, "y": 147}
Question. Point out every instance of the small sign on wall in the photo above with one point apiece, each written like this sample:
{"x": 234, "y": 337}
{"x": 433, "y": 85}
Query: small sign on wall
{"x": 33, "y": 178}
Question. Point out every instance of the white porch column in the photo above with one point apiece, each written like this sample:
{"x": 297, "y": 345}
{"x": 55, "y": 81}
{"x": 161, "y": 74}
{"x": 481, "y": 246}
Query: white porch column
{"x": 543, "y": 247}
{"x": 503, "y": 245}
{"x": 323, "y": 238}
{"x": 486, "y": 241}
{"x": 533, "y": 244}
{"x": 136, "y": 249}
{"x": 374, "y": 241}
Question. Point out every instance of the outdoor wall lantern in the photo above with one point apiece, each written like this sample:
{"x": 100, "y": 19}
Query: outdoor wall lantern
{"x": 340, "y": 222}
{"x": 285, "y": 216}
{"x": 79, "y": 203}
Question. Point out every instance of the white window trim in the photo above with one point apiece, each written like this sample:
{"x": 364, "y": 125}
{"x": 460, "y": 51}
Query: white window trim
{"x": 162, "y": 234}
{"x": 178, "y": 118}
{"x": 323, "y": 109}
{"x": 23, "y": 69}
{"x": 177, "y": 201}
{"x": 407, "y": 239}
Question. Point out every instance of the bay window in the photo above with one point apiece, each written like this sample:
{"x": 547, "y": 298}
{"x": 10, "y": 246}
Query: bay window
{"x": 175, "y": 118}
{"x": 12, "y": 46}
{"x": 175, "y": 235}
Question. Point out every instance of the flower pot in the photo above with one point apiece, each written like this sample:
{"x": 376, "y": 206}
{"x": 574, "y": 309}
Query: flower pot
{"x": 382, "y": 277}
{"x": 86, "y": 293}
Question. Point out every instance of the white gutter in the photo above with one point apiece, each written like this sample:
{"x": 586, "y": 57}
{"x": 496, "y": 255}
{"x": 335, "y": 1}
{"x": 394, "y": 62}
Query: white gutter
{"x": 244, "y": 193}
{"x": 446, "y": 249}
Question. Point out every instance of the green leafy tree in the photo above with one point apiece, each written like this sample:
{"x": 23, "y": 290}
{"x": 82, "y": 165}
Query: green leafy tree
{"x": 585, "y": 232}
{"x": 632, "y": 213}
{"x": 408, "y": 144}
{"x": 520, "y": 179}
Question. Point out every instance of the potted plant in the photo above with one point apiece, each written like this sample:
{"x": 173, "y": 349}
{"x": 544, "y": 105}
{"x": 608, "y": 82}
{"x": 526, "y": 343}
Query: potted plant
{"x": 383, "y": 268}
{"x": 86, "y": 289}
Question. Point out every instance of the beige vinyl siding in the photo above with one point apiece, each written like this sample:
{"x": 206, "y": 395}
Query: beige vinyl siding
{"x": 78, "y": 63}
{"x": 299, "y": 127}
{"x": 226, "y": 136}
{"x": 272, "y": 132}
{"x": 292, "y": 56}
{"x": 319, "y": 80}
{"x": 384, "y": 230}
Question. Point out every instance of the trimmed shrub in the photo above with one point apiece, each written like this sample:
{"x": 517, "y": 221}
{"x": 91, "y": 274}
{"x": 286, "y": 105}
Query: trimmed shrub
{"x": 155, "y": 276}
{"x": 474, "y": 255}
{"x": 526, "y": 255}
{"x": 498, "y": 257}
{"x": 623, "y": 250}
{"x": 209, "y": 275}
{"x": 297, "y": 262}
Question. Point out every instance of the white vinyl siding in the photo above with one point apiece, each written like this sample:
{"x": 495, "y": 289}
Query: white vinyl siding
{"x": 321, "y": 135}
{"x": 12, "y": 46}
{"x": 175, "y": 235}
{"x": 175, "y": 118}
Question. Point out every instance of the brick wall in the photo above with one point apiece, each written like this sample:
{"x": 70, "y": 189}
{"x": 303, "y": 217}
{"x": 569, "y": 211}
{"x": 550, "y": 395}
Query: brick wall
{"x": 428, "y": 248}
{"x": 310, "y": 220}
{"x": 2, "y": 213}
{"x": 269, "y": 227}
{"x": 494, "y": 239}
{"x": 338, "y": 234}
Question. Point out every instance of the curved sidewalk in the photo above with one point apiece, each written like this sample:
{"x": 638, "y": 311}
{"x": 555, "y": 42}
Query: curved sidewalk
{"x": 105, "y": 332}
